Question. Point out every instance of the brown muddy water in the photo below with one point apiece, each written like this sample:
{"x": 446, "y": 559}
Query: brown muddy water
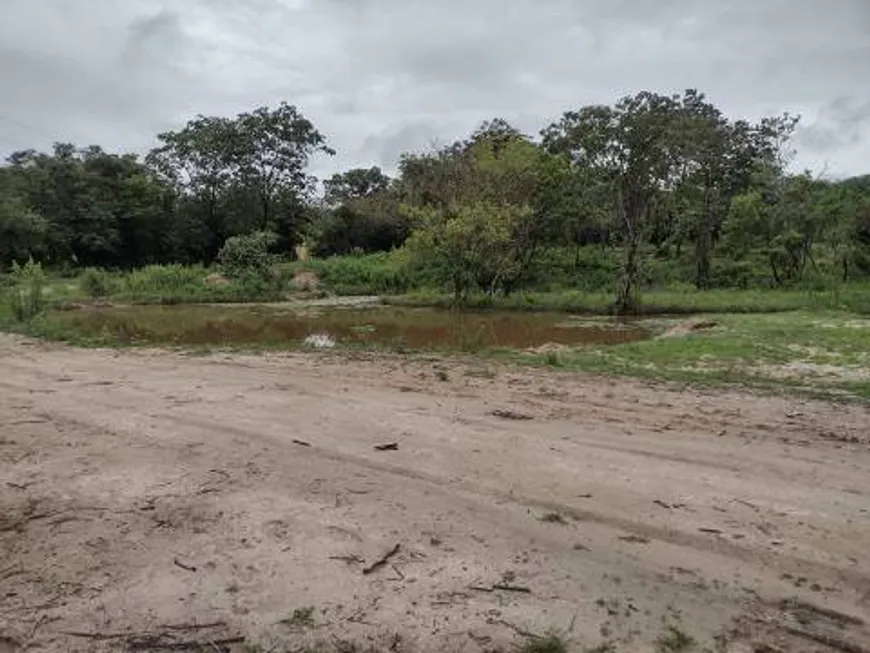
{"x": 414, "y": 328}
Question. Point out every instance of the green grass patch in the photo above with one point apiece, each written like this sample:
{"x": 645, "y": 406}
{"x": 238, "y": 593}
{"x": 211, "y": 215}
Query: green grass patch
{"x": 675, "y": 641}
{"x": 547, "y": 644}
{"x": 384, "y": 273}
{"x": 658, "y": 302}
{"x": 813, "y": 352}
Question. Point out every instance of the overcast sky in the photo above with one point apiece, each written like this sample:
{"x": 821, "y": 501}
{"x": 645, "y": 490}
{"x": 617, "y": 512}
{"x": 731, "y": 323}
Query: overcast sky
{"x": 381, "y": 77}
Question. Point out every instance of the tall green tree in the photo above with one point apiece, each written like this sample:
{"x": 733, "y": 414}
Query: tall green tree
{"x": 270, "y": 151}
{"x": 632, "y": 148}
{"x": 243, "y": 174}
{"x": 718, "y": 160}
{"x": 355, "y": 184}
{"x": 196, "y": 161}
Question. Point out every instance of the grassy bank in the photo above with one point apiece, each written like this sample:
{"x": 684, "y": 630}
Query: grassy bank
{"x": 177, "y": 284}
{"x": 811, "y": 352}
{"x": 823, "y": 353}
{"x": 567, "y": 281}
{"x": 855, "y": 298}
{"x": 807, "y": 339}
{"x": 560, "y": 281}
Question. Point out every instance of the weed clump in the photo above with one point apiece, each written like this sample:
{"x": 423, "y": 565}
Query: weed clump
{"x": 26, "y": 296}
{"x": 546, "y": 644}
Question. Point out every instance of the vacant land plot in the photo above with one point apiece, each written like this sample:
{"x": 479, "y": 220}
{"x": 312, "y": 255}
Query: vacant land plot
{"x": 156, "y": 501}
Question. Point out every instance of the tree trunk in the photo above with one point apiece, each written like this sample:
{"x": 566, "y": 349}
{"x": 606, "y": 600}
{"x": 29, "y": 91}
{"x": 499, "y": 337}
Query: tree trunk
{"x": 626, "y": 297}
{"x": 776, "y": 279}
{"x": 702, "y": 258}
{"x": 704, "y": 245}
{"x": 632, "y": 214}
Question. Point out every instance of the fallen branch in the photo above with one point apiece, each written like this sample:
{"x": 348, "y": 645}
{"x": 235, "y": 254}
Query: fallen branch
{"x": 512, "y": 588}
{"x": 500, "y": 587}
{"x": 178, "y": 563}
{"x": 9, "y": 572}
{"x": 516, "y": 629}
{"x": 392, "y": 446}
{"x": 351, "y": 559}
{"x": 635, "y": 539}
{"x": 214, "y": 624}
{"x": 151, "y": 643}
{"x": 96, "y": 636}
{"x": 509, "y": 414}
{"x": 377, "y": 564}
{"x": 302, "y": 443}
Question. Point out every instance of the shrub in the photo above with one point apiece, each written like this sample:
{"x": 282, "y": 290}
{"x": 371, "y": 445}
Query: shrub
{"x": 95, "y": 282}
{"x": 26, "y": 297}
{"x": 248, "y": 254}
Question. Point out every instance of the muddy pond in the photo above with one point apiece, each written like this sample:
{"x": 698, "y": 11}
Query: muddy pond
{"x": 414, "y": 328}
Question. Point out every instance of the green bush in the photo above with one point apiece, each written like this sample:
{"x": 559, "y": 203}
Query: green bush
{"x": 248, "y": 254}
{"x": 26, "y": 296}
{"x": 95, "y": 282}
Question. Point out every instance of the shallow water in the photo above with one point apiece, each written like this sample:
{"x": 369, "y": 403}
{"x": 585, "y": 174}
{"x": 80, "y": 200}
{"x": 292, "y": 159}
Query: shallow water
{"x": 413, "y": 328}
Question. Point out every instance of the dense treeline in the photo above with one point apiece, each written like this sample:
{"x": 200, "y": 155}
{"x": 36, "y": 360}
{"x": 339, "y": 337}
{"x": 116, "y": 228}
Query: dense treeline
{"x": 651, "y": 178}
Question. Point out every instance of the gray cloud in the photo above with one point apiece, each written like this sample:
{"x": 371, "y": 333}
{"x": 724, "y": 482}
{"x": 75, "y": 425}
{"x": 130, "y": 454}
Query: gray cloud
{"x": 842, "y": 123}
{"x": 380, "y": 77}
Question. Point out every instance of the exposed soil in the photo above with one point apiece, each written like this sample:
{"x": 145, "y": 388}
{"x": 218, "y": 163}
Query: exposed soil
{"x": 156, "y": 501}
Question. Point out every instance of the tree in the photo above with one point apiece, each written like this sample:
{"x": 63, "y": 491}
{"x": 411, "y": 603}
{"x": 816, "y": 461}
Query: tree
{"x": 243, "y": 174}
{"x": 474, "y": 244}
{"x": 632, "y": 148}
{"x": 270, "y": 152}
{"x": 22, "y": 232}
{"x": 718, "y": 159}
{"x": 98, "y": 209}
{"x": 479, "y": 207}
{"x": 355, "y": 184}
{"x": 780, "y": 221}
{"x": 196, "y": 160}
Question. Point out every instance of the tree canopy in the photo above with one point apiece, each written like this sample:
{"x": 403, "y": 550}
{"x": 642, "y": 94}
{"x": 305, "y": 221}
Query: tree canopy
{"x": 651, "y": 177}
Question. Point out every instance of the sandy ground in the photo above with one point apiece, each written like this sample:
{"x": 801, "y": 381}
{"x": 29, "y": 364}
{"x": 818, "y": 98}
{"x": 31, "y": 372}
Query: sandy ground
{"x": 157, "y": 501}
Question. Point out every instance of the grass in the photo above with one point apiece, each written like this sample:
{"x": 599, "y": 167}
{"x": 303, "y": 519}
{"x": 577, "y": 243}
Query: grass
{"x": 675, "y": 641}
{"x": 547, "y": 644}
{"x": 824, "y": 353}
{"x": 164, "y": 284}
{"x": 814, "y": 343}
{"x": 553, "y": 518}
{"x": 384, "y": 273}
{"x": 301, "y": 618}
{"x": 677, "y": 301}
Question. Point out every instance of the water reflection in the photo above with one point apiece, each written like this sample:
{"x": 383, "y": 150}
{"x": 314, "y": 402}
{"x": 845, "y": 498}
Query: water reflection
{"x": 405, "y": 327}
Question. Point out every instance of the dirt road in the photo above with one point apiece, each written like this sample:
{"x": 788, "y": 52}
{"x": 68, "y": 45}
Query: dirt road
{"x": 238, "y": 502}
